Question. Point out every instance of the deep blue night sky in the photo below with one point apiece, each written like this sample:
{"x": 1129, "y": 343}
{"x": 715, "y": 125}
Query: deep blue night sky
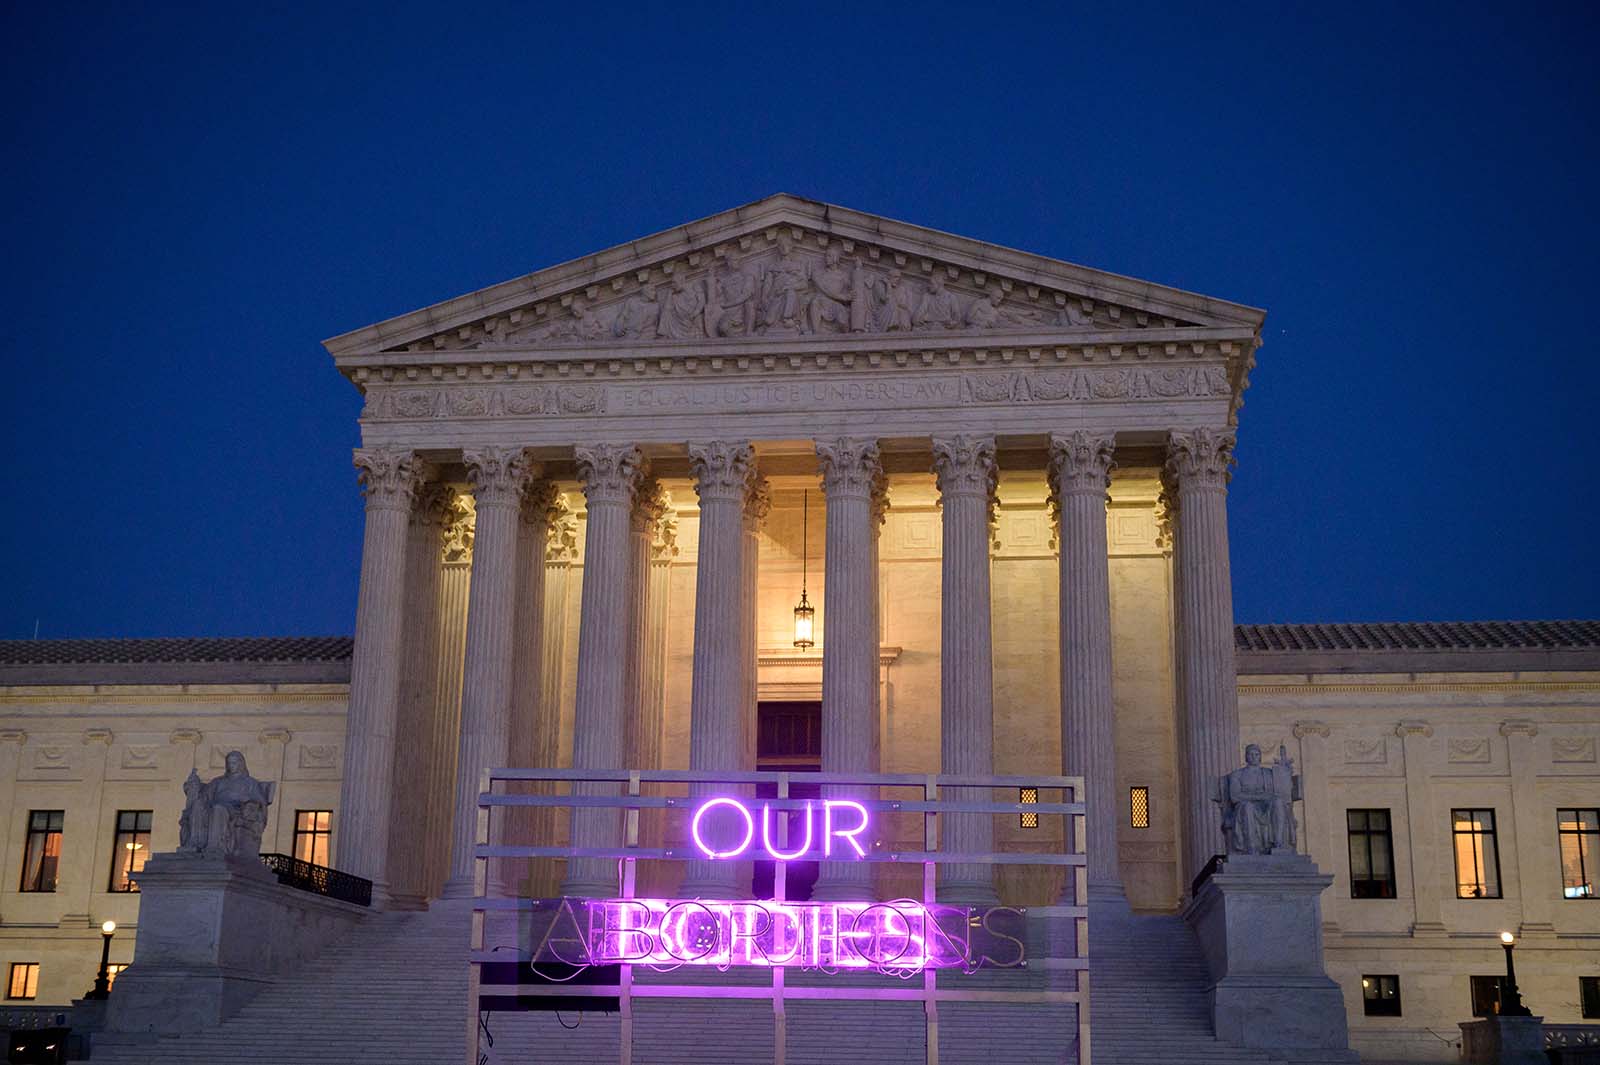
{"x": 193, "y": 200}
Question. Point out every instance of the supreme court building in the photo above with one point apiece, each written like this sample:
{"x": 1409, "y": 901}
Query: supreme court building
{"x": 601, "y": 498}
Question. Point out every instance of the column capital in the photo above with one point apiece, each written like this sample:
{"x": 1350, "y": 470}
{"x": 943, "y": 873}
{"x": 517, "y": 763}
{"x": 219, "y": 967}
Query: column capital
{"x": 186, "y": 735}
{"x": 17, "y": 736}
{"x": 880, "y": 499}
{"x": 540, "y": 504}
{"x": 1081, "y": 463}
{"x": 1198, "y": 458}
{"x": 458, "y": 528}
{"x": 1413, "y": 728}
{"x": 274, "y": 735}
{"x": 1311, "y": 728}
{"x": 850, "y": 465}
{"x": 609, "y": 473}
{"x": 389, "y": 477}
{"x": 499, "y": 475}
{"x": 757, "y": 504}
{"x": 664, "y": 541}
{"x": 433, "y": 502}
{"x": 562, "y": 545}
{"x": 723, "y": 470}
{"x": 649, "y": 504}
{"x": 1519, "y": 727}
{"x": 98, "y": 735}
{"x": 965, "y": 465}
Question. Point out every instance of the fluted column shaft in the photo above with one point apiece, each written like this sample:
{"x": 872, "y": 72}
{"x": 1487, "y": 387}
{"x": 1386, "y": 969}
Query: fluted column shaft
{"x": 850, "y": 472}
{"x": 758, "y": 504}
{"x": 409, "y": 849}
{"x": 1080, "y": 468}
{"x": 499, "y": 476}
{"x": 524, "y": 825}
{"x": 390, "y": 480}
{"x": 610, "y": 474}
{"x": 965, "y": 467}
{"x": 724, "y": 473}
{"x": 643, "y": 732}
{"x": 1196, "y": 478}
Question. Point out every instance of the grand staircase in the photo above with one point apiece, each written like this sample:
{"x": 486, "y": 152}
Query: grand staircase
{"x": 394, "y": 991}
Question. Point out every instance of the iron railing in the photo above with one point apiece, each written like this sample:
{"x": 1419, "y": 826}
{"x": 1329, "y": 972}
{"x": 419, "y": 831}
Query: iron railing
{"x": 1063, "y": 972}
{"x": 319, "y": 879}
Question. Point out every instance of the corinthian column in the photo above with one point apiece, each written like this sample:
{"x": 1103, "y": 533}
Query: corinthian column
{"x": 723, "y": 475}
{"x": 499, "y": 476}
{"x": 850, "y": 475}
{"x": 610, "y": 474}
{"x": 1195, "y": 484}
{"x": 390, "y": 480}
{"x": 965, "y": 468}
{"x": 524, "y": 825}
{"x": 757, "y": 505}
{"x": 1080, "y": 474}
{"x": 641, "y": 729}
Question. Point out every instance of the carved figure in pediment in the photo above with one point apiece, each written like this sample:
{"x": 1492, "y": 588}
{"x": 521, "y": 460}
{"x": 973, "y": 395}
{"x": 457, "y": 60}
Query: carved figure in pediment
{"x": 683, "y": 311}
{"x": 638, "y": 318}
{"x": 894, "y": 304}
{"x": 583, "y": 324}
{"x": 783, "y": 291}
{"x": 731, "y": 302}
{"x": 939, "y": 308}
{"x": 986, "y": 312}
{"x": 839, "y": 304}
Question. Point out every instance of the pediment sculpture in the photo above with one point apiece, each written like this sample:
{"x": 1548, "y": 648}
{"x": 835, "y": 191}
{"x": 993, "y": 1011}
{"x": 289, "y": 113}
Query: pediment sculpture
{"x": 792, "y": 290}
{"x": 1258, "y": 804}
{"x": 225, "y": 816}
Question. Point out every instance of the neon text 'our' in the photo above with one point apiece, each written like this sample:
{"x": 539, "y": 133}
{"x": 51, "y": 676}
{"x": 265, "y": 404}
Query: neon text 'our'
{"x": 842, "y": 819}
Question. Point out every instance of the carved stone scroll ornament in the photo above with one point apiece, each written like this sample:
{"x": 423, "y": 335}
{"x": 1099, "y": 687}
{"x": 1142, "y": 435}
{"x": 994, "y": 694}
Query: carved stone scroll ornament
{"x": 723, "y": 470}
{"x": 1200, "y": 458}
{"x": 1081, "y": 461}
{"x": 389, "y": 477}
{"x": 609, "y": 472}
{"x": 849, "y": 466}
{"x": 225, "y": 816}
{"x": 498, "y": 474}
{"x": 1258, "y": 804}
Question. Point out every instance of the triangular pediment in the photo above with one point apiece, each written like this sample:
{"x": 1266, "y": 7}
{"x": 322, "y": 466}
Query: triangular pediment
{"x": 787, "y": 269}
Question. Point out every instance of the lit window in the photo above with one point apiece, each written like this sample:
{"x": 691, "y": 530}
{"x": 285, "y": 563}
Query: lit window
{"x": 41, "y": 856}
{"x": 1029, "y": 796}
{"x": 1139, "y": 806}
{"x": 1579, "y": 833}
{"x": 312, "y": 832}
{"x": 1477, "y": 855}
{"x": 24, "y": 982}
{"x": 131, "y": 848}
{"x": 1485, "y": 995}
{"x": 1380, "y": 996}
{"x": 1371, "y": 854}
{"x": 111, "y": 973}
{"x": 1589, "y": 996}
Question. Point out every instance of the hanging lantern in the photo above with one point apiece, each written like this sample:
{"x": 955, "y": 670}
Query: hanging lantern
{"x": 804, "y": 616}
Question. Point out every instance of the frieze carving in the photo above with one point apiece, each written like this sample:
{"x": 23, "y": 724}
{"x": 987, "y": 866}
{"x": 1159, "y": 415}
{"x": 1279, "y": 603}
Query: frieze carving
{"x": 1572, "y": 749}
{"x": 50, "y": 757}
{"x": 1366, "y": 752}
{"x": 1474, "y": 749}
{"x": 318, "y": 755}
{"x": 793, "y": 283}
{"x": 140, "y": 756}
{"x": 1085, "y": 384}
{"x": 850, "y": 466}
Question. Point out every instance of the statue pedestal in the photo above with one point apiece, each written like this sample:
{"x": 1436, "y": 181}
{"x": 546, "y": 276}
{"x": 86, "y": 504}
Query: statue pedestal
{"x": 1504, "y": 1041}
{"x": 1259, "y": 923}
{"x": 212, "y": 933}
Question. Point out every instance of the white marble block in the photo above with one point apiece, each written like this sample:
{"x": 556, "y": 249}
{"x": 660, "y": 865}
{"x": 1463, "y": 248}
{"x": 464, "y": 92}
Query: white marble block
{"x": 1504, "y": 1041}
{"x": 1259, "y": 922}
{"x": 212, "y": 933}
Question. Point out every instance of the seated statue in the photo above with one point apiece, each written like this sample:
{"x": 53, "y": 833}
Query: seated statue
{"x": 1258, "y": 805}
{"x": 224, "y": 817}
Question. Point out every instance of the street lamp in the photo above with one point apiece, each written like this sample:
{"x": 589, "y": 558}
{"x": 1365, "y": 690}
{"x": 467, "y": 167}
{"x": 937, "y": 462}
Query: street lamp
{"x": 102, "y": 982}
{"x": 1510, "y": 998}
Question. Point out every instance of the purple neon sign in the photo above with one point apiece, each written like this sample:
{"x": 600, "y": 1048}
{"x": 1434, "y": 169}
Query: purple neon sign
{"x": 842, "y": 819}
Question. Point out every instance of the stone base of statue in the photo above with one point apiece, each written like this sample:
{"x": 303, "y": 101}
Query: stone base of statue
{"x": 1259, "y": 923}
{"x": 1504, "y": 1041}
{"x": 212, "y": 933}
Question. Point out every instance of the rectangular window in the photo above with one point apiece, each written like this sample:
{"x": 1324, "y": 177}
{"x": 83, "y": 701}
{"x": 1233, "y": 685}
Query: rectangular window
{"x": 24, "y": 982}
{"x": 1139, "y": 806}
{"x": 1579, "y": 835}
{"x": 41, "y": 856}
{"x": 1380, "y": 996}
{"x": 1371, "y": 854}
{"x": 1029, "y": 796}
{"x": 312, "y": 833}
{"x": 1477, "y": 856}
{"x": 131, "y": 848}
{"x": 1589, "y": 996}
{"x": 111, "y": 974}
{"x": 1485, "y": 995}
